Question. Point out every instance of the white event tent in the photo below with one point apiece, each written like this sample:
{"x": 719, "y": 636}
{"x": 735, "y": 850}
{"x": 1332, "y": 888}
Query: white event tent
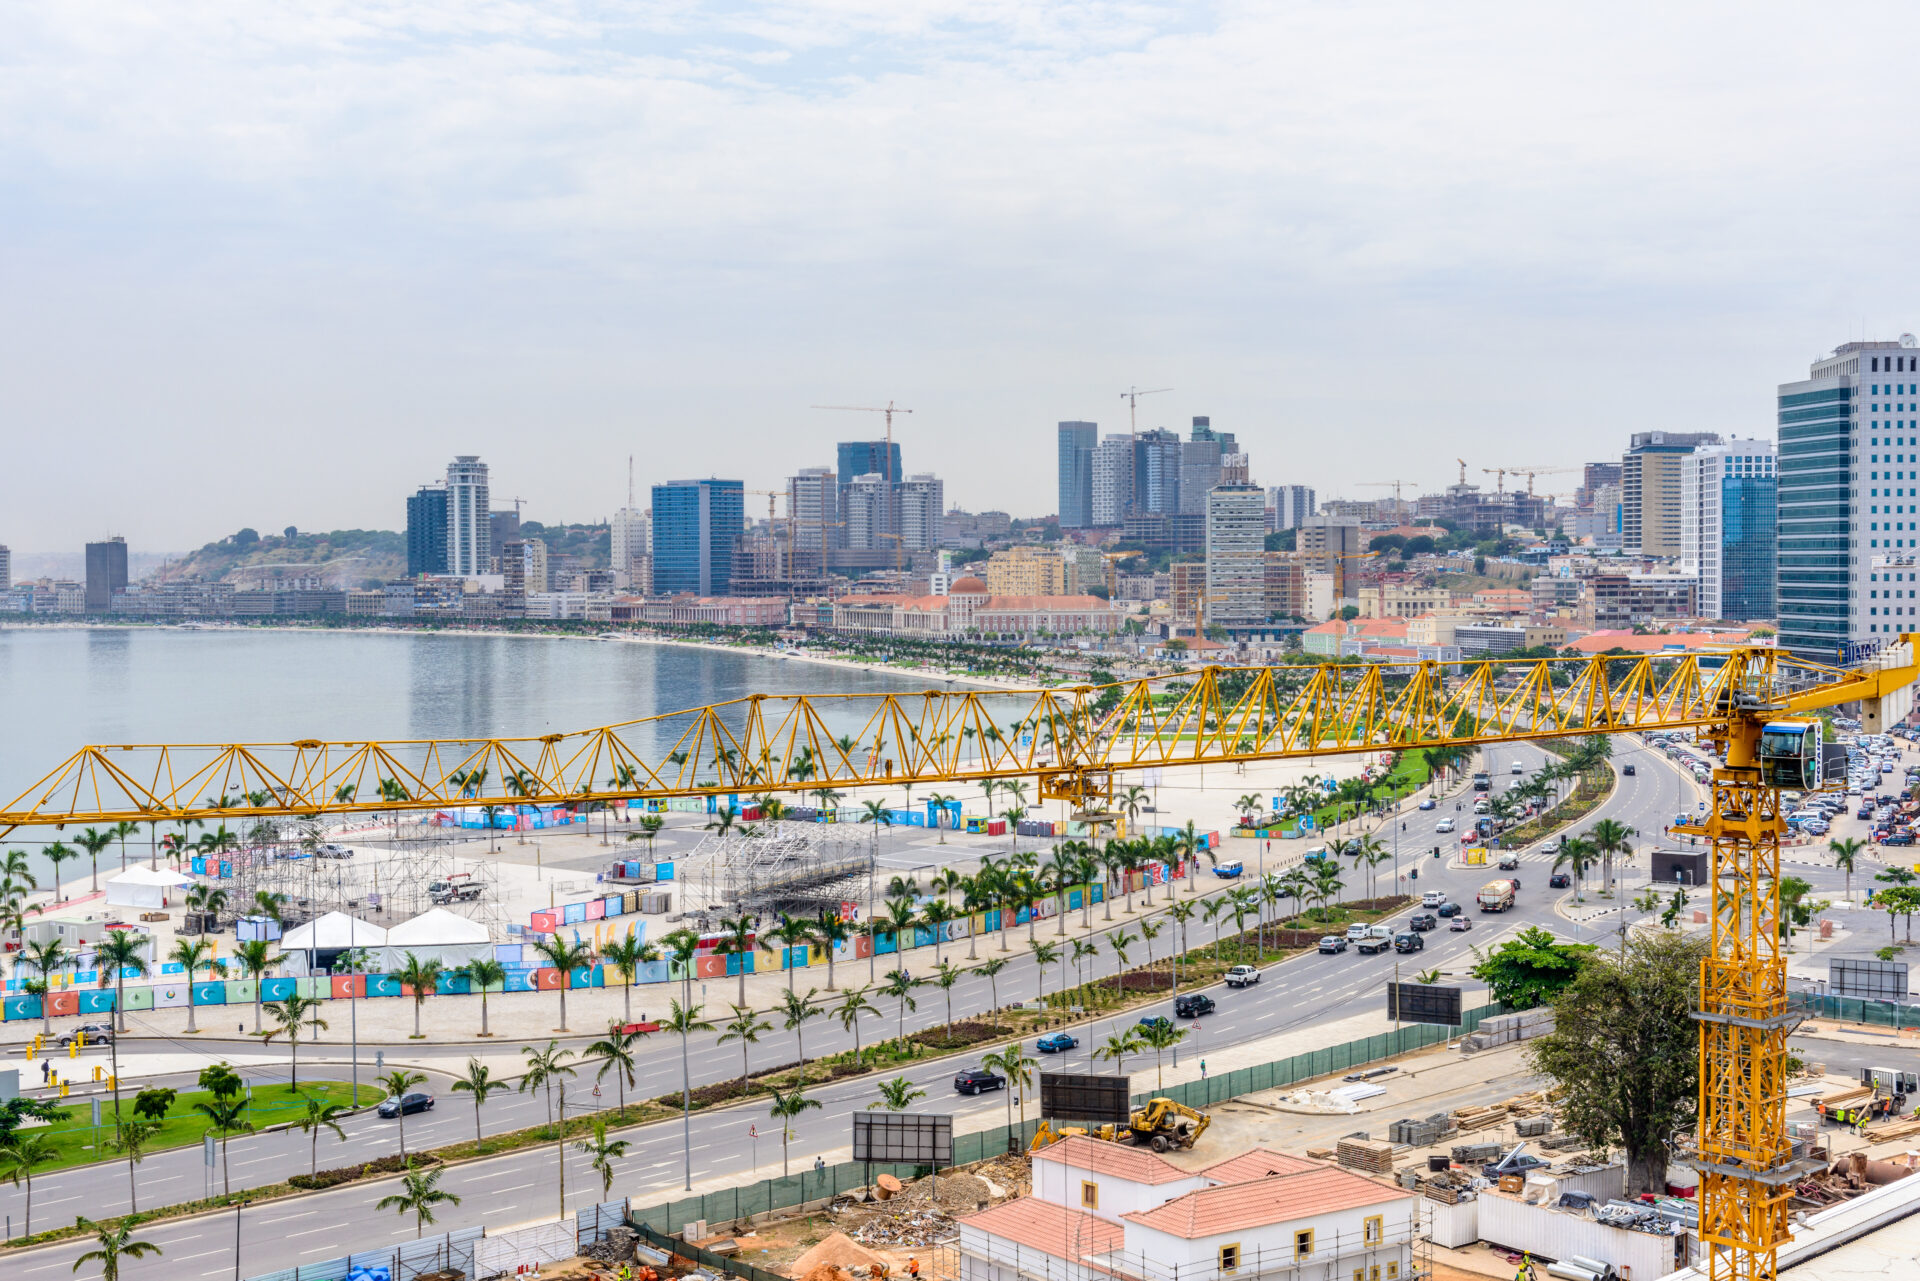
{"x": 143, "y": 887}
{"x": 439, "y": 935}
{"x": 320, "y": 941}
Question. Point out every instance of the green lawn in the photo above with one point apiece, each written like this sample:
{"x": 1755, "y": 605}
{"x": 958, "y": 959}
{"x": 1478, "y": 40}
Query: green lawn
{"x": 78, "y": 1143}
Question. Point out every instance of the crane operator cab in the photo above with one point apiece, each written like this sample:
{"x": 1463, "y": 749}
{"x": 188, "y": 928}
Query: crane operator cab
{"x": 1791, "y": 754}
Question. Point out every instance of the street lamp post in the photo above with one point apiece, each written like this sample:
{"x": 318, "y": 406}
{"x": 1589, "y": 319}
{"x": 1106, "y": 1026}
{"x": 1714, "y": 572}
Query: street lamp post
{"x": 238, "y": 1207}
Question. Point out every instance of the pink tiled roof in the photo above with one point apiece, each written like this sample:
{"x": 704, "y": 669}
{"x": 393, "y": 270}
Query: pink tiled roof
{"x": 1258, "y": 1163}
{"x": 1596, "y": 642}
{"x": 1049, "y": 1228}
{"x": 1136, "y": 1165}
{"x": 1045, "y": 602}
{"x": 1282, "y": 1198}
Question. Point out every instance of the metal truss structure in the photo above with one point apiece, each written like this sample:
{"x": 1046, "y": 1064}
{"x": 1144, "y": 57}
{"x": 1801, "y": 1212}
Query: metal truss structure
{"x": 800, "y": 869}
{"x": 1074, "y": 741}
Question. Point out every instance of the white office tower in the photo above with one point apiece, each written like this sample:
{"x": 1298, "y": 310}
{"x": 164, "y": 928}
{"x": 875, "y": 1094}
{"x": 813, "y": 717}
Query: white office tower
{"x": 1849, "y": 501}
{"x": 469, "y": 537}
{"x": 629, "y": 548}
{"x": 1290, "y": 504}
{"x": 867, "y": 513}
{"x": 923, "y": 507}
{"x": 1727, "y": 508}
{"x": 1112, "y": 481}
{"x": 1236, "y": 555}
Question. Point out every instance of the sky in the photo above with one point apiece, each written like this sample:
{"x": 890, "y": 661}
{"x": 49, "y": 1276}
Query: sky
{"x": 265, "y": 265}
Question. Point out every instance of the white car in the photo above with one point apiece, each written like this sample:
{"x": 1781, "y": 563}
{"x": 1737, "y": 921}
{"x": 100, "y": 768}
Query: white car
{"x": 1444, "y": 825}
{"x": 1433, "y": 898}
{"x": 1357, "y": 932}
{"x": 1518, "y": 768}
{"x": 1551, "y": 847}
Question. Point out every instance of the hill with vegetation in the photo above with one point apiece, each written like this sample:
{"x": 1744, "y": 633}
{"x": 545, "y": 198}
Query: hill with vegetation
{"x": 345, "y": 558}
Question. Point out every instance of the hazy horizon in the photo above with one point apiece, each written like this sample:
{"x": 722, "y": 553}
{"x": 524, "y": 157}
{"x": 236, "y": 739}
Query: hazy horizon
{"x": 274, "y": 267}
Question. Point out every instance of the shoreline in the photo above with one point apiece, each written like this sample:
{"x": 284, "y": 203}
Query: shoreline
{"x": 757, "y": 651}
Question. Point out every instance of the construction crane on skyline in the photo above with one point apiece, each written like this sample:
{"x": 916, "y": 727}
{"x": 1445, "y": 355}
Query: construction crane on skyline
{"x": 1757, "y": 705}
{"x": 886, "y": 463}
{"x": 1531, "y": 472}
{"x": 1132, "y": 396}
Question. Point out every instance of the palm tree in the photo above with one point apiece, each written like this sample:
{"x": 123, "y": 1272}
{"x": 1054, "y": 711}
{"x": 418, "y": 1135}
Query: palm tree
{"x": 829, "y": 931}
{"x": 45, "y": 959}
{"x": 419, "y": 1193}
{"x": 564, "y": 957}
{"x": 121, "y": 951}
{"x": 1044, "y": 954}
{"x": 1182, "y": 914}
{"x": 1120, "y": 941}
{"x": 899, "y": 985}
{"x": 227, "y": 1115}
{"x": 650, "y": 826}
{"x": 1158, "y": 1036}
{"x": 723, "y": 819}
{"x": 604, "y": 1152}
{"x": 946, "y": 974}
{"x": 615, "y": 1052}
{"x": 110, "y": 1246}
{"x": 937, "y": 915}
{"x": 991, "y": 973}
{"x": 292, "y": 1017}
{"x": 132, "y": 1137}
{"x": 1576, "y": 852}
{"x": 423, "y": 977}
{"x": 876, "y": 813}
{"x": 545, "y": 1069}
{"x": 321, "y": 1115}
{"x": 23, "y": 1150}
{"x": 684, "y": 1021}
{"x": 1327, "y": 884}
{"x": 745, "y": 1027}
{"x": 738, "y": 940}
{"x": 1117, "y": 1046}
{"x": 790, "y": 933}
{"x": 93, "y": 841}
{"x": 853, "y": 1004}
{"x": 479, "y": 1082}
{"x": 56, "y": 854}
{"x": 1610, "y": 837}
{"x": 1062, "y": 870}
{"x": 1846, "y": 853}
{"x": 798, "y": 1009}
{"x": 255, "y": 958}
{"x": 484, "y": 973}
{"x": 897, "y": 1095}
{"x": 940, "y": 801}
{"x": 192, "y": 956}
{"x": 1018, "y": 1069}
{"x": 786, "y": 1107}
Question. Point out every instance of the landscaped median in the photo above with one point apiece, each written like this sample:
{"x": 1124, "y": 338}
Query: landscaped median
{"x": 76, "y": 1141}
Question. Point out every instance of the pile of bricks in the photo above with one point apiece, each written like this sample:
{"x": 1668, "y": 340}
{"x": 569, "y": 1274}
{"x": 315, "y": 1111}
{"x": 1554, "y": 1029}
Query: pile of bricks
{"x": 1420, "y": 1134}
{"x": 1369, "y": 1155}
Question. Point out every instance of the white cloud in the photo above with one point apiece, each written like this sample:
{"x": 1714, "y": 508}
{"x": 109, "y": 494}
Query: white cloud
{"x": 339, "y": 242}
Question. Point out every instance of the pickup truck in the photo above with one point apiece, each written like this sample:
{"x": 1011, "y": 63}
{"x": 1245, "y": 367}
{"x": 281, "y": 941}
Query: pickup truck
{"x": 1378, "y": 940}
{"x": 1242, "y": 976}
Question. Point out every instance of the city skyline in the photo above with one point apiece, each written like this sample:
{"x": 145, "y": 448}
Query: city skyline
{"x": 1346, "y": 232}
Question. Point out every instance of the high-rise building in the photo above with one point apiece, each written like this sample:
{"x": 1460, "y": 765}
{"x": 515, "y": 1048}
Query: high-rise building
{"x": 1650, "y": 521}
{"x": 1330, "y": 545}
{"x": 1236, "y": 555}
{"x": 695, "y": 526}
{"x": 1290, "y": 504}
{"x": 1077, "y": 443}
{"x": 1112, "y": 481}
{"x": 1593, "y": 478}
{"x": 6, "y": 568}
{"x": 628, "y": 549}
{"x": 106, "y": 573}
{"x": 469, "y": 512}
{"x": 1848, "y": 523}
{"x": 864, "y": 505}
{"x": 1156, "y": 473}
{"x": 427, "y": 530}
{"x": 1199, "y": 473}
{"x": 813, "y": 510}
{"x": 1727, "y": 499}
{"x": 503, "y": 528}
{"x": 867, "y": 457}
{"x": 922, "y": 504}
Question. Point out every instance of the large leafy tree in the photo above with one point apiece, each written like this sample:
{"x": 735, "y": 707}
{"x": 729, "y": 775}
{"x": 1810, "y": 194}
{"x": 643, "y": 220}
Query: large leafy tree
{"x": 1531, "y": 969}
{"x": 1623, "y": 1048}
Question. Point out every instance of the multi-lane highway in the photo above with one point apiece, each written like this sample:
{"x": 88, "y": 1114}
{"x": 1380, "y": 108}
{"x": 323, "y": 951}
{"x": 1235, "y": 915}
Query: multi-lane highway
{"x": 1302, "y": 992}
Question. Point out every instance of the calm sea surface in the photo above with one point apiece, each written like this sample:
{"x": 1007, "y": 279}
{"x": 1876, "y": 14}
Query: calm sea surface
{"x": 61, "y": 689}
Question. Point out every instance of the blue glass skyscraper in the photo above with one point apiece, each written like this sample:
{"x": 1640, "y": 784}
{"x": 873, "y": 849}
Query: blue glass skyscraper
{"x": 695, "y": 526}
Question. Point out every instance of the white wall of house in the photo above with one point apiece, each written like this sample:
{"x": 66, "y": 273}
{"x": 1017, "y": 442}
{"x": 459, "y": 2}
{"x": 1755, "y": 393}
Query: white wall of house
{"x": 1060, "y": 1184}
{"x": 1339, "y": 1243}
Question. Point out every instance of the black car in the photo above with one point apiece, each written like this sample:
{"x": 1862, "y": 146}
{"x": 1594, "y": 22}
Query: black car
{"x": 1424, "y": 921}
{"x": 1408, "y": 942}
{"x": 1559, "y": 881}
{"x": 406, "y": 1103}
{"x": 974, "y": 1080}
{"x": 1448, "y": 909}
{"x": 1627, "y": 770}
{"x": 1192, "y": 1006}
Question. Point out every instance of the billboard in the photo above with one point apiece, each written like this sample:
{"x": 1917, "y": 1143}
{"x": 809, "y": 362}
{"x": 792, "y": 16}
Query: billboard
{"x": 1874, "y": 980}
{"x": 903, "y": 1137}
{"x": 1424, "y": 1003}
{"x": 1084, "y": 1096}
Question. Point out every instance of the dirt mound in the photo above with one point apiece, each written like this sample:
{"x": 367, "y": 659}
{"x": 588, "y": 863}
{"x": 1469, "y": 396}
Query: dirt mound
{"x": 837, "y": 1251}
{"x": 825, "y": 1272}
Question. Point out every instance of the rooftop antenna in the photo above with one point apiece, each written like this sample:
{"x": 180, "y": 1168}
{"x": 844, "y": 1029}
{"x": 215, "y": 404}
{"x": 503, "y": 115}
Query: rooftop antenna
{"x": 629, "y": 482}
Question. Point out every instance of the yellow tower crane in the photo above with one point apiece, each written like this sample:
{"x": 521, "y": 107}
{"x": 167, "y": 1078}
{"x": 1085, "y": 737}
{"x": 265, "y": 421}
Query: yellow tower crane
{"x": 1756, "y": 703}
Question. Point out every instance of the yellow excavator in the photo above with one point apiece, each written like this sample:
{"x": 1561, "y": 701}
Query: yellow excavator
{"x": 1161, "y": 1125}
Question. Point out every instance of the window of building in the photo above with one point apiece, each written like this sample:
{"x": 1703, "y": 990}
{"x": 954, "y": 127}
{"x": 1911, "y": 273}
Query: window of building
{"x": 1230, "y": 1257}
{"x": 1373, "y": 1229}
{"x": 1089, "y": 1195}
{"x": 1373, "y": 1273}
{"x": 1393, "y": 1272}
{"x": 1303, "y": 1243}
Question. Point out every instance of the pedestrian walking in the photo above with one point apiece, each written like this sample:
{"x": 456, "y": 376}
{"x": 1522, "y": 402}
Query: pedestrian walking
{"x": 1203, "y": 1069}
